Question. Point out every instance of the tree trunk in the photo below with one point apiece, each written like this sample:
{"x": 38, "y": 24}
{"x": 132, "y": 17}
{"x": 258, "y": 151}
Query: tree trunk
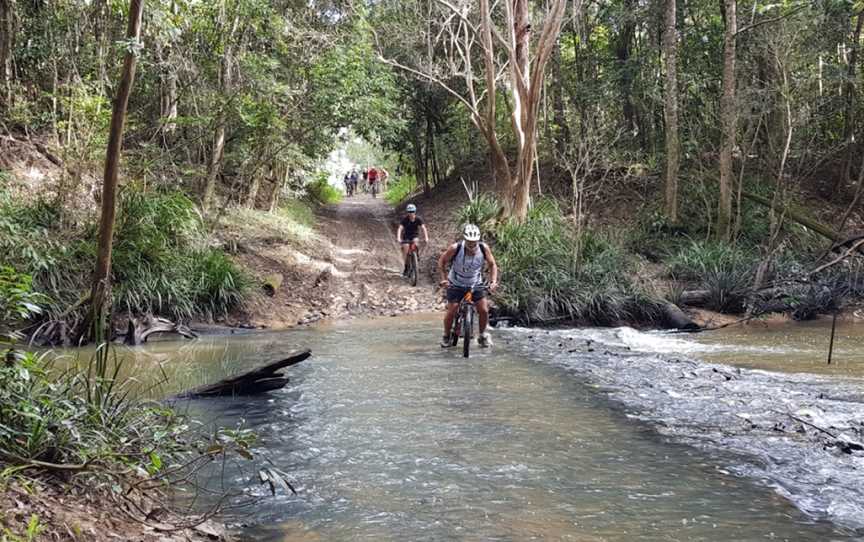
{"x": 7, "y": 42}
{"x": 670, "y": 48}
{"x": 526, "y": 85}
{"x": 101, "y": 291}
{"x": 622, "y": 53}
{"x": 729, "y": 122}
{"x": 218, "y": 148}
{"x": 562, "y": 130}
{"x": 279, "y": 180}
{"x": 851, "y": 92}
{"x": 252, "y": 196}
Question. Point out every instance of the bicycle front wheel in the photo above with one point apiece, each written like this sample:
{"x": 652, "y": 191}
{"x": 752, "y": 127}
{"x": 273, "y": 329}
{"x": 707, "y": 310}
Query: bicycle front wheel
{"x": 467, "y": 328}
{"x": 412, "y": 269}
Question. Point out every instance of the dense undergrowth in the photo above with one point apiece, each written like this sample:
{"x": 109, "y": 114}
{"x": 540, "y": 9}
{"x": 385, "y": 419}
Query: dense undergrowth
{"x": 400, "y": 188}
{"x": 83, "y": 423}
{"x": 162, "y": 260}
{"x": 605, "y": 276}
{"x": 321, "y": 192}
{"x": 550, "y": 273}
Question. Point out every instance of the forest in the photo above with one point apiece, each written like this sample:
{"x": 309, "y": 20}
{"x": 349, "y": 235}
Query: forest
{"x": 621, "y": 156}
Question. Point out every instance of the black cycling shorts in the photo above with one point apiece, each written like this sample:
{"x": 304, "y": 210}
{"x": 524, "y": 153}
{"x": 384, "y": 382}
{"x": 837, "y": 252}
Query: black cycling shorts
{"x": 456, "y": 293}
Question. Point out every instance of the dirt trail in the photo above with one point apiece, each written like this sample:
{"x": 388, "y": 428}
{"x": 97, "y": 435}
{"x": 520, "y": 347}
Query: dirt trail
{"x": 352, "y": 269}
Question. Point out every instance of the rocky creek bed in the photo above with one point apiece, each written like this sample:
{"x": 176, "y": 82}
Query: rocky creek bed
{"x": 798, "y": 433}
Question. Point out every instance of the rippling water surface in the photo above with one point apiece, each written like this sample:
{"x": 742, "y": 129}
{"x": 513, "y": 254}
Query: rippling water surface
{"x": 388, "y": 437}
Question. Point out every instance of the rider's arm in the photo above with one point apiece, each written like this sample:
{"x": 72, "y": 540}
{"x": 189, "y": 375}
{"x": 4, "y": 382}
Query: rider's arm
{"x": 443, "y": 260}
{"x": 493, "y": 270}
{"x": 425, "y": 232}
{"x": 399, "y": 233}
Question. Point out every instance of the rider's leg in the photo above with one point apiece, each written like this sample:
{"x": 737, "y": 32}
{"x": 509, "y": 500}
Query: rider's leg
{"x": 452, "y": 307}
{"x": 405, "y": 248}
{"x": 483, "y": 312}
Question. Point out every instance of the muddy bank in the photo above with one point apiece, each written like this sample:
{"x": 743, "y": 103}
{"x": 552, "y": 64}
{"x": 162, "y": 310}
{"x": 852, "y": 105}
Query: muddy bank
{"x": 800, "y": 434}
{"x": 51, "y": 510}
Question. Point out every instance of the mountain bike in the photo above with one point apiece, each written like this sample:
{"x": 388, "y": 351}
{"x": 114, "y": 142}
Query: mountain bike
{"x": 463, "y": 323}
{"x": 373, "y": 187}
{"x": 413, "y": 265}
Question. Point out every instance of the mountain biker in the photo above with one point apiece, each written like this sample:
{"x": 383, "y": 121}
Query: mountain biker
{"x": 372, "y": 178}
{"x": 408, "y": 232}
{"x": 353, "y": 177}
{"x": 347, "y": 181}
{"x": 467, "y": 260}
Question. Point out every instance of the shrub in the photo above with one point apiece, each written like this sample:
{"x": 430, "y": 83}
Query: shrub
{"x": 400, "y": 189}
{"x": 549, "y": 273}
{"x": 482, "y": 211}
{"x": 694, "y": 260}
{"x": 18, "y": 302}
{"x": 86, "y": 422}
{"x": 725, "y": 270}
{"x": 160, "y": 263}
{"x": 320, "y": 191}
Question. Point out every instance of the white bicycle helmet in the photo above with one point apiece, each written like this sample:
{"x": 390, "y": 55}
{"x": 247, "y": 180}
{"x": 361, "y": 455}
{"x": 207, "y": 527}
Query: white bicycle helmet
{"x": 411, "y": 208}
{"x": 471, "y": 232}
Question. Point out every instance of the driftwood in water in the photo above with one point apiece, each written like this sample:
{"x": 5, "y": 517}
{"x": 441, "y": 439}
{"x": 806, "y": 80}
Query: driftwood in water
{"x": 258, "y": 380}
{"x": 140, "y": 329}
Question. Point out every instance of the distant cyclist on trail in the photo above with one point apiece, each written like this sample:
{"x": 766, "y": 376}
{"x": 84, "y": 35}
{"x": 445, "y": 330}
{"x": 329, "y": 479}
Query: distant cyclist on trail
{"x": 372, "y": 177}
{"x": 467, "y": 259}
{"x": 348, "y": 187}
{"x": 408, "y": 232}
{"x": 354, "y": 177}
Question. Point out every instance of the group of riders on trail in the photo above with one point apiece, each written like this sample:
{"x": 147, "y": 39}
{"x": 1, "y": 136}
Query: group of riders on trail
{"x": 374, "y": 180}
{"x": 460, "y": 268}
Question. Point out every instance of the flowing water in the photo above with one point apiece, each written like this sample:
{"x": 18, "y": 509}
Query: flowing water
{"x": 388, "y": 437}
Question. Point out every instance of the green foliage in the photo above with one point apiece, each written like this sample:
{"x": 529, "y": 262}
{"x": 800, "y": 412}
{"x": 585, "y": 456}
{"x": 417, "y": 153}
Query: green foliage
{"x": 481, "y": 211}
{"x": 18, "y": 302}
{"x": 400, "y": 189}
{"x": 85, "y": 419}
{"x": 725, "y": 270}
{"x": 161, "y": 261}
{"x": 60, "y": 421}
{"x": 322, "y": 192}
{"x": 697, "y": 258}
{"x": 548, "y": 272}
{"x": 161, "y": 264}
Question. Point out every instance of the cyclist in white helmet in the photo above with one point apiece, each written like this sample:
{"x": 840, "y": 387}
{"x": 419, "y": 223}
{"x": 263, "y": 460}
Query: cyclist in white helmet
{"x": 467, "y": 260}
{"x": 409, "y": 232}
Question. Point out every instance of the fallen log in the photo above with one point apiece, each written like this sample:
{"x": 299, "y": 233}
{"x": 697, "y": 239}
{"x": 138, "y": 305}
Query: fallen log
{"x": 140, "y": 329}
{"x": 694, "y": 298}
{"x": 822, "y": 229}
{"x": 259, "y": 380}
{"x": 272, "y": 283}
{"x": 677, "y": 318}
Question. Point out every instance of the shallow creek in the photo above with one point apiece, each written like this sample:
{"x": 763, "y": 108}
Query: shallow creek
{"x": 388, "y": 437}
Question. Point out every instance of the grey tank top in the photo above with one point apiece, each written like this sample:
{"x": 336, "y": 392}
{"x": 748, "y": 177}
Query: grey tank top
{"x": 466, "y": 269}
